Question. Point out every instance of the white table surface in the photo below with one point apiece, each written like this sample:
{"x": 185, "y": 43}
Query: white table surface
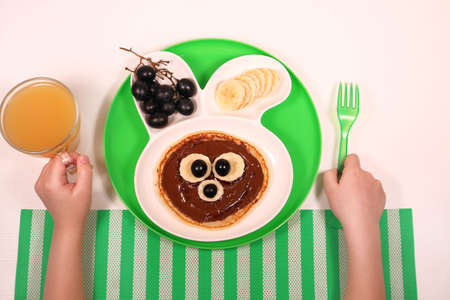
{"x": 398, "y": 52}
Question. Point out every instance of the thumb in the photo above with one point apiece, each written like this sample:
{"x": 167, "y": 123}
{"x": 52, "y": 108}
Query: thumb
{"x": 84, "y": 175}
{"x": 352, "y": 162}
{"x": 330, "y": 181}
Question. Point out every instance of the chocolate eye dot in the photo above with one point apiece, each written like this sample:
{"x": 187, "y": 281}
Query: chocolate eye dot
{"x": 222, "y": 167}
{"x": 198, "y": 168}
{"x": 210, "y": 190}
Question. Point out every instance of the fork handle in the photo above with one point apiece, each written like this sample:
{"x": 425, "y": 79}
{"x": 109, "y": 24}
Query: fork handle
{"x": 342, "y": 154}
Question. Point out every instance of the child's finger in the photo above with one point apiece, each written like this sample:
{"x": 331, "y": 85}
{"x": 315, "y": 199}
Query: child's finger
{"x": 84, "y": 175}
{"x": 351, "y": 162}
{"x": 369, "y": 175}
{"x": 44, "y": 170}
{"x": 38, "y": 184}
{"x": 56, "y": 172}
{"x": 74, "y": 156}
{"x": 330, "y": 180}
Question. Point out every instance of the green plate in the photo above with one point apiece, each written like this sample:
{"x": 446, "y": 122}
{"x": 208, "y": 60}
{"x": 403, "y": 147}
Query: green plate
{"x": 294, "y": 121}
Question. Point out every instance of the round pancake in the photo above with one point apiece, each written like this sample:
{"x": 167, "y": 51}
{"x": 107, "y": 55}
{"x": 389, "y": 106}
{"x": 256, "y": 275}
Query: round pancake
{"x": 239, "y": 196}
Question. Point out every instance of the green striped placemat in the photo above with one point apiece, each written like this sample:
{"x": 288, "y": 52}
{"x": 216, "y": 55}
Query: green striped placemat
{"x": 305, "y": 259}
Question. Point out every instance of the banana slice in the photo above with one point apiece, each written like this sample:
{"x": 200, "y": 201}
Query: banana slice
{"x": 186, "y": 167}
{"x": 251, "y": 81}
{"x": 230, "y": 94}
{"x": 275, "y": 81}
{"x": 233, "y": 171}
{"x": 250, "y": 94}
{"x": 255, "y": 79}
{"x": 210, "y": 190}
{"x": 268, "y": 79}
{"x": 262, "y": 81}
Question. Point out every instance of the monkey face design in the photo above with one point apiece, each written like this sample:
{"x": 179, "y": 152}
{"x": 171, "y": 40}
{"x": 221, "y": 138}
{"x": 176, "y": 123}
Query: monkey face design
{"x": 211, "y": 178}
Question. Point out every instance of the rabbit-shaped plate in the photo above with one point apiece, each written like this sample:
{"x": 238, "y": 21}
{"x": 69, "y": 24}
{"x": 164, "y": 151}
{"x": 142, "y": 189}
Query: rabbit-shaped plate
{"x": 244, "y": 124}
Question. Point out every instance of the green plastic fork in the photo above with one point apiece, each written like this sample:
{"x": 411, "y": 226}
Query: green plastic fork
{"x": 347, "y": 112}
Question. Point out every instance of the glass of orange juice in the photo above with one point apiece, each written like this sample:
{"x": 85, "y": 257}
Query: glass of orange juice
{"x": 40, "y": 117}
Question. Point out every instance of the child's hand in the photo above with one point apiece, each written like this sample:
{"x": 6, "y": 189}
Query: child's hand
{"x": 68, "y": 203}
{"x": 358, "y": 199}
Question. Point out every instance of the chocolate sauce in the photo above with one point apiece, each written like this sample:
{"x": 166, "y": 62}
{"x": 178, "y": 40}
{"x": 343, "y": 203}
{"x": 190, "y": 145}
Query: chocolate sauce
{"x": 237, "y": 194}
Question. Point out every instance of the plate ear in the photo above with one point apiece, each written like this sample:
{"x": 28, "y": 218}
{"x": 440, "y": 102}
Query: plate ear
{"x": 180, "y": 69}
{"x": 265, "y": 80}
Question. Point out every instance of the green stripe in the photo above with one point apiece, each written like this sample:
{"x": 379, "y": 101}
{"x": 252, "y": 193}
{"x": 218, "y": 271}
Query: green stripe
{"x": 48, "y": 230}
{"x": 256, "y": 267}
{"x": 204, "y": 274}
{"x": 23, "y": 254}
{"x": 385, "y": 253}
{"x": 127, "y": 256}
{"x": 282, "y": 262}
{"x": 178, "y": 271}
{"x": 332, "y": 245}
{"x": 230, "y": 273}
{"x": 153, "y": 246}
{"x": 101, "y": 254}
{"x": 408, "y": 263}
{"x": 307, "y": 254}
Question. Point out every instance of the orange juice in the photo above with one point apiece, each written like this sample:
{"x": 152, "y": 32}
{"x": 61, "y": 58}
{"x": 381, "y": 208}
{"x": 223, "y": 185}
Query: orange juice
{"x": 40, "y": 117}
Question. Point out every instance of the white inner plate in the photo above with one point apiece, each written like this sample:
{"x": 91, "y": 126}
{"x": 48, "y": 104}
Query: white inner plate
{"x": 244, "y": 124}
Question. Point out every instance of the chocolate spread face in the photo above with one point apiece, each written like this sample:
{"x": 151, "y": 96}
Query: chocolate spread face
{"x": 238, "y": 195}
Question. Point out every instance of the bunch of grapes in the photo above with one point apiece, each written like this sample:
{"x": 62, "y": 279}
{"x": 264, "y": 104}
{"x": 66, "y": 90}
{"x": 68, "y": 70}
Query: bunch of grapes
{"x": 158, "y": 101}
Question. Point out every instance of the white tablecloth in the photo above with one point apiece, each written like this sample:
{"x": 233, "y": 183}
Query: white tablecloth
{"x": 398, "y": 52}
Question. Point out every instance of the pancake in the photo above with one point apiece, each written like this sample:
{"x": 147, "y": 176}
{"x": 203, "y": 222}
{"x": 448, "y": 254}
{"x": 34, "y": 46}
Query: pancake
{"x": 239, "y": 196}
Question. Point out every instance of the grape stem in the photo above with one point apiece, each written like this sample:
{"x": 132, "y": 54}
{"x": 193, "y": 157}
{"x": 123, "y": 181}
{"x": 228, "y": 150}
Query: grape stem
{"x": 161, "y": 71}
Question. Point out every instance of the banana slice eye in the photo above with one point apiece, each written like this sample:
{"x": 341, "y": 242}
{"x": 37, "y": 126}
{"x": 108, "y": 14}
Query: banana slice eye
{"x": 210, "y": 190}
{"x": 195, "y": 167}
{"x": 228, "y": 167}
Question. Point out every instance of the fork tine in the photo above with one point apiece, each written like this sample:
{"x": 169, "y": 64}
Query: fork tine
{"x": 340, "y": 94}
{"x": 356, "y": 97}
{"x": 345, "y": 96}
{"x": 350, "y": 100}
